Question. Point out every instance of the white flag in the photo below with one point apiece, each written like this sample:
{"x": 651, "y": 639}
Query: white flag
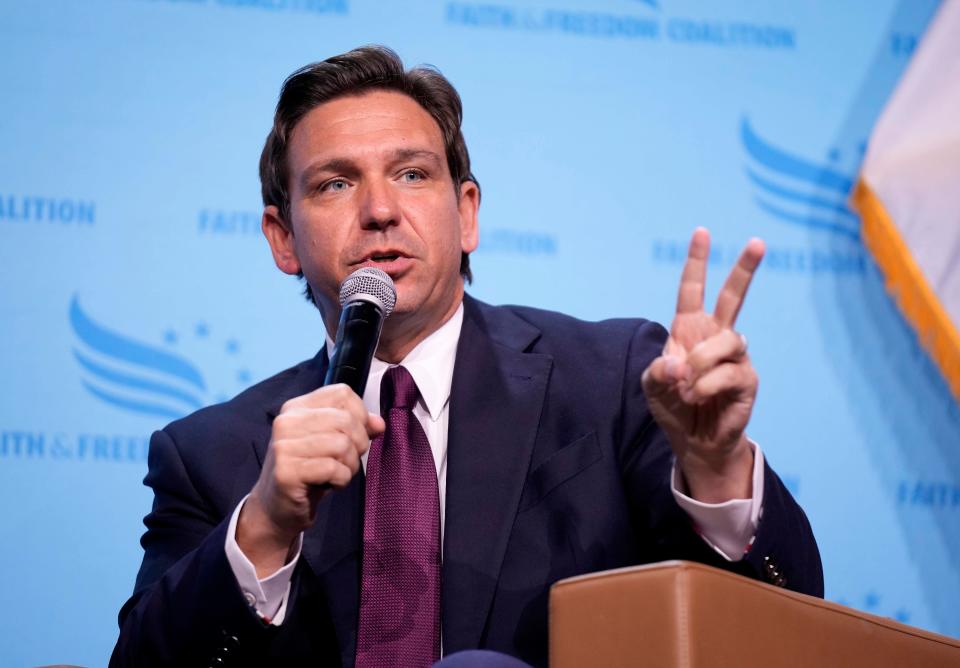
{"x": 908, "y": 193}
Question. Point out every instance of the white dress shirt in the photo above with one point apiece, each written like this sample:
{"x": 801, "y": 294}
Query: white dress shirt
{"x": 727, "y": 527}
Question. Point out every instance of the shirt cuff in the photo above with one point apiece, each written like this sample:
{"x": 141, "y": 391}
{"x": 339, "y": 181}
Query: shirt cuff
{"x": 269, "y": 596}
{"x": 728, "y": 527}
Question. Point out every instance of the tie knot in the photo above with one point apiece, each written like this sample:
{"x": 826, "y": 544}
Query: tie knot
{"x": 398, "y": 389}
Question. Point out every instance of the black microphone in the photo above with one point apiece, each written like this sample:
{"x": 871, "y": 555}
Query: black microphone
{"x": 367, "y": 297}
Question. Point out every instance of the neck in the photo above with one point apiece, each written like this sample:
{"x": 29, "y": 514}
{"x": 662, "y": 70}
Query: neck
{"x": 401, "y": 335}
{"x": 402, "y": 332}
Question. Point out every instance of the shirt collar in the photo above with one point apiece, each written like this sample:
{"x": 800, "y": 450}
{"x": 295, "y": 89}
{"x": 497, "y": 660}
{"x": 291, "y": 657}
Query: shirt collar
{"x": 430, "y": 363}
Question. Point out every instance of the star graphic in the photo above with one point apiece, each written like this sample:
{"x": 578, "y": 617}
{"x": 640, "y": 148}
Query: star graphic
{"x": 232, "y": 346}
{"x": 871, "y": 600}
{"x": 834, "y": 155}
{"x": 170, "y": 337}
{"x": 201, "y": 330}
{"x": 902, "y": 615}
{"x": 243, "y": 376}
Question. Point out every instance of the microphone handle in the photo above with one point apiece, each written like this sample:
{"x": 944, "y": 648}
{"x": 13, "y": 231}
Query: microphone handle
{"x": 357, "y": 337}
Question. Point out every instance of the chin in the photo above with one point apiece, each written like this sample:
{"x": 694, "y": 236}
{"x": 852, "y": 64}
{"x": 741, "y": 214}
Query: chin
{"x": 405, "y": 307}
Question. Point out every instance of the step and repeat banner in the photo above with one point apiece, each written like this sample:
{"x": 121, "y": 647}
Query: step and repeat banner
{"x": 137, "y": 286}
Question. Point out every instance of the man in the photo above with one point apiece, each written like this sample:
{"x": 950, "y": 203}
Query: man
{"x": 519, "y": 447}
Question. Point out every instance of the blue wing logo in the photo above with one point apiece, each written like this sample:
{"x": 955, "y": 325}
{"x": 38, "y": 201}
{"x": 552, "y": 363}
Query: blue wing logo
{"x": 798, "y": 191}
{"x": 132, "y": 375}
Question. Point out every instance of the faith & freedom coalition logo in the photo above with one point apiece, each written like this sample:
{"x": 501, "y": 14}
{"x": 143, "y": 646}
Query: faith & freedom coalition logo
{"x": 798, "y": 191}
{"x": 154, "y": 379}
{"x": 637, "y": 20}
{"x": 147, "y": 378}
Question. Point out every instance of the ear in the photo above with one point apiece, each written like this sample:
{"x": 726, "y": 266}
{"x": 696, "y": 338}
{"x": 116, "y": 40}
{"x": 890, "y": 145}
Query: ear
{"x": 279, "y": 235}
{"x": 469, "y": 207}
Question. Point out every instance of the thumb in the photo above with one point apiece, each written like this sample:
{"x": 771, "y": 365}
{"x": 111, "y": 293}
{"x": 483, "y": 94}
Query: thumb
{"x": 375, "y": 425}
{"x": 663, "y": 374}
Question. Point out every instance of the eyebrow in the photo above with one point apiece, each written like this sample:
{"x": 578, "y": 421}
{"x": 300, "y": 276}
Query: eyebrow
{"x": 338, "y": 165}
{"x": 402, "y": 154}
{"x": 347, "y": 166}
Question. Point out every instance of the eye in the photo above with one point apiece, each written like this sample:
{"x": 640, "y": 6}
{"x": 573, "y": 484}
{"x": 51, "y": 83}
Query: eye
{"x": 333, "y": 185}
{"x": 412, "y": 176}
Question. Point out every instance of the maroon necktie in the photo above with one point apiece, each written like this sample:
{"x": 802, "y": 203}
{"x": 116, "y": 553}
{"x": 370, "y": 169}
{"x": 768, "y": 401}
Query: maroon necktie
{"x": 400, "y": 585}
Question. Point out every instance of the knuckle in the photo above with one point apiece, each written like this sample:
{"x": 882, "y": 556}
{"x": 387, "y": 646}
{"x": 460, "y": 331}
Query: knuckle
{"x": 343, "y": 474}
{"x": 729, "y": 375}
{"x": 359, "y": 432}
{"x": 341, "y": 443}
{"x": 320, "y": 420}
{"x": 280, "y": 448}
{"x": 353, "y": 451}
{"x": 325, "y": 415}
{"x": 701, "y": 390}
{"x": 697, "y": 358}
{"x": 343, "y": 420}
{"x": 281, "y": 423}
{"x": 354, "y": 466}
{"x": 283, "y": 475}
{"x": 329, "y": 469}
{"x": 355, "y": 405}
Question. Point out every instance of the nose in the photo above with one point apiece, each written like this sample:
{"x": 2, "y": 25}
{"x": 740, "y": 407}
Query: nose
{"x": 379, "y": 208}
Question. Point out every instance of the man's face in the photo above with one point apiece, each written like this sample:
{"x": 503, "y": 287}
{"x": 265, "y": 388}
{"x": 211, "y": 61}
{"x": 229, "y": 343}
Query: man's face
{"x": 370, "y": 186}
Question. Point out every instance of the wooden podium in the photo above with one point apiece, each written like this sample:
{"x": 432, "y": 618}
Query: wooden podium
{"x": 678, "y": 614}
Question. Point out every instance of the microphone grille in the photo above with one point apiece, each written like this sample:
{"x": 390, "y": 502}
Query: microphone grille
{"x": 372, "y": 285}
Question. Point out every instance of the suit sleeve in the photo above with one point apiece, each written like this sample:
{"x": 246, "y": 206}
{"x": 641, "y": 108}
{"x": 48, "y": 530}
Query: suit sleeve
{"x": 784, "y": 551}
{"x": 187, "y": 608}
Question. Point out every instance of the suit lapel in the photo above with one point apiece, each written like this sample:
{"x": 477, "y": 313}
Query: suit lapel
{"x": 331, "y": 547}
{"x": 495, "y": 406}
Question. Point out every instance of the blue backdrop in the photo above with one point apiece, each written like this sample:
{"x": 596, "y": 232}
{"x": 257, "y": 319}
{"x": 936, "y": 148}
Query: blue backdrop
{"x": 137, "y": 286}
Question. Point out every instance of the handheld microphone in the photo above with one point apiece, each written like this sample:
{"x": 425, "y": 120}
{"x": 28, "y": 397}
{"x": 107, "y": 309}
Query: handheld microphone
{"x": 367, "y": 297}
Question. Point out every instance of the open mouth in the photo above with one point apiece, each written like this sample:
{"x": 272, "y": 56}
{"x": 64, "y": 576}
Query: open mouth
{"x": 385, "y": 257}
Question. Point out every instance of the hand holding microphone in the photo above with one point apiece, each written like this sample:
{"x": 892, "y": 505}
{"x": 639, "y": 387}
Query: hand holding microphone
{"x": 318, "y": 438}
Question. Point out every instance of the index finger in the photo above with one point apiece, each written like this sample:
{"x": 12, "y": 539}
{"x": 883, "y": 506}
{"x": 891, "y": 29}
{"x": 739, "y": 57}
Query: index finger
{"x": 734, "y": 289}
{"x": 694, "y": 277}
{"x": 338, "y": 395}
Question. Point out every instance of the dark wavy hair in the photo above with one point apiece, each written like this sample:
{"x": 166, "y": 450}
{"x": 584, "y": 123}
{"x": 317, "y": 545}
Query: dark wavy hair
{"x": 353, "y": 73}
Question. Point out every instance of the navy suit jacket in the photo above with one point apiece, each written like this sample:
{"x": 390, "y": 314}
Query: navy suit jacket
{"x": 555, "y": 467}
